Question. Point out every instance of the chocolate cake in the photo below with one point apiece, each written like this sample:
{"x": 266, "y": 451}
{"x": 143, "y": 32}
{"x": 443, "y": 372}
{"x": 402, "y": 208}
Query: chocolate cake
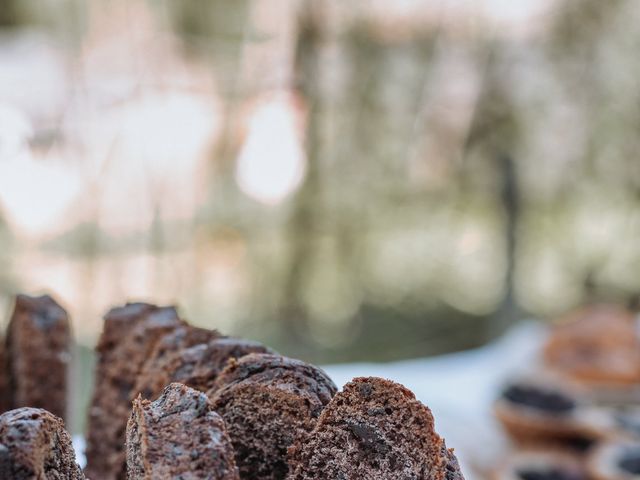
{"x": 374, "y": 429}
{"x": 197, "y": 366}
{"x": 129, "y": 336}
{"x": 35, "y": 446}
{"x": 178, "y": 436}
{"x": 269, "y": 403}
{"x": 38, "y": 354}
{"x": 149, "y": 384}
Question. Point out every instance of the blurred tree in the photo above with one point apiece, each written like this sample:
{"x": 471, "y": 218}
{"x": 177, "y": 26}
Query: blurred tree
{"x": 494, "y": 137}
{"x": 303, "y": 226}
{"x": 10, "y": 13}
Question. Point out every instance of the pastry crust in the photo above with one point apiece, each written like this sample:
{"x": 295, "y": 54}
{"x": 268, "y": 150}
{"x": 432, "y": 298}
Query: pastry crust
{"x": 535, "y": 410}
{"x": 598, "y": 345}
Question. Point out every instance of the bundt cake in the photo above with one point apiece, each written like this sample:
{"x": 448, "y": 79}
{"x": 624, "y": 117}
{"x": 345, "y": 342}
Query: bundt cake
{"x": 129, "y": 335}
{"x": 38, "y": 354}
{"x": 269, "y": 402}
{"x": 34, "y": 445}
{"x": 178, "y": 436}
{"x": 373, "y": 429}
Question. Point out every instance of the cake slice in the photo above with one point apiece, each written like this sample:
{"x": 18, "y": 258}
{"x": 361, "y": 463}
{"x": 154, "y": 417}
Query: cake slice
{"x": 197, "y": 366}
{"x": 148, "y": 384}
{"x": 130, "y": 333}
{"x": 38, "y": 354}
{"x": 374, "y": 429}
{"x": 34, "y": 445}
{"x": 269, "y": 402}
{"x": 172, "y": 343}
{"x": 178, "y": 436}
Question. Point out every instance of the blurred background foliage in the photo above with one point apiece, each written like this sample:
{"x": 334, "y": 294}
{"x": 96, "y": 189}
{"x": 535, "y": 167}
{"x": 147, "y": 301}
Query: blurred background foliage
{"x": 363, "y": 180}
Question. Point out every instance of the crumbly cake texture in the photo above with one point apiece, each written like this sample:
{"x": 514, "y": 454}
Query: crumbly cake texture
{"x": 38, "y": 354}
{"x": 196, "y": 366}
{"x": 269, "y": 402}
{"x": 153, "y": 376}
{"x": 129, "y": 335}
{"x": 34, "y": 445}
{"x": 374, "y": 429}
{"x": 178, "y": 436}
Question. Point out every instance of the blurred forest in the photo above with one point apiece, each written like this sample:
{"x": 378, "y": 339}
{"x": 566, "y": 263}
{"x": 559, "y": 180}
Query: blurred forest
{"x": 343, "y": 180}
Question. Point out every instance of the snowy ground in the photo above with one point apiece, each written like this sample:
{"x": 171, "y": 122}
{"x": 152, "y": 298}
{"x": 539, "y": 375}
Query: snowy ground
{"x": 459, "y": 388}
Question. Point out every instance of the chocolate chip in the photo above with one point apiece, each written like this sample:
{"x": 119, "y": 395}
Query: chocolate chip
{"x": 366, "y": 390}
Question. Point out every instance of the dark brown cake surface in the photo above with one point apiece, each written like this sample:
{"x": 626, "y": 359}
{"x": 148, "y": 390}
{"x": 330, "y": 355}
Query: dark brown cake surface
{"x": 269, "y": 402}
{"x": 129, "y": 335}
{"x": 196, "y": 366}
{"x": 38, "y": 354}
{"x": 178, "y": 436}
{"x": 374, "y": 429}
{"x": 34, "y": 445}
{"x": 154, "y": 376}
{"x": 178, "y": 339}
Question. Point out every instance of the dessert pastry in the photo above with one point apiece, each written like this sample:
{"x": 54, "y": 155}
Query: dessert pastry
{"x": 178, "y": 436}
{"x": 374, "y": 429}
{"x": 269, "y": 403}
{"x": 38, "y": 354}
{"x": 197, "y": 366}
{"x": 597, "y": 344}
{"x": 539, "y": 411}
{"x": 130, "y": 333}
{"x": 35, "y": 445}
{"x": 615, "y": 461}
{"x": 541, "y": 465}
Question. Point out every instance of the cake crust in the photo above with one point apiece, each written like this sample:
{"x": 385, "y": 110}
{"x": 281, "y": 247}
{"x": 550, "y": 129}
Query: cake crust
{"x": 130, "y": 333}
{"x": 269, "y": 402}
{"x": 178, "y": 436}
{"x": 374, "y": 429}
{"x": 34, "y": 445}
{"x": 193, "y": 363}
{"x": 38, "y": 354}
